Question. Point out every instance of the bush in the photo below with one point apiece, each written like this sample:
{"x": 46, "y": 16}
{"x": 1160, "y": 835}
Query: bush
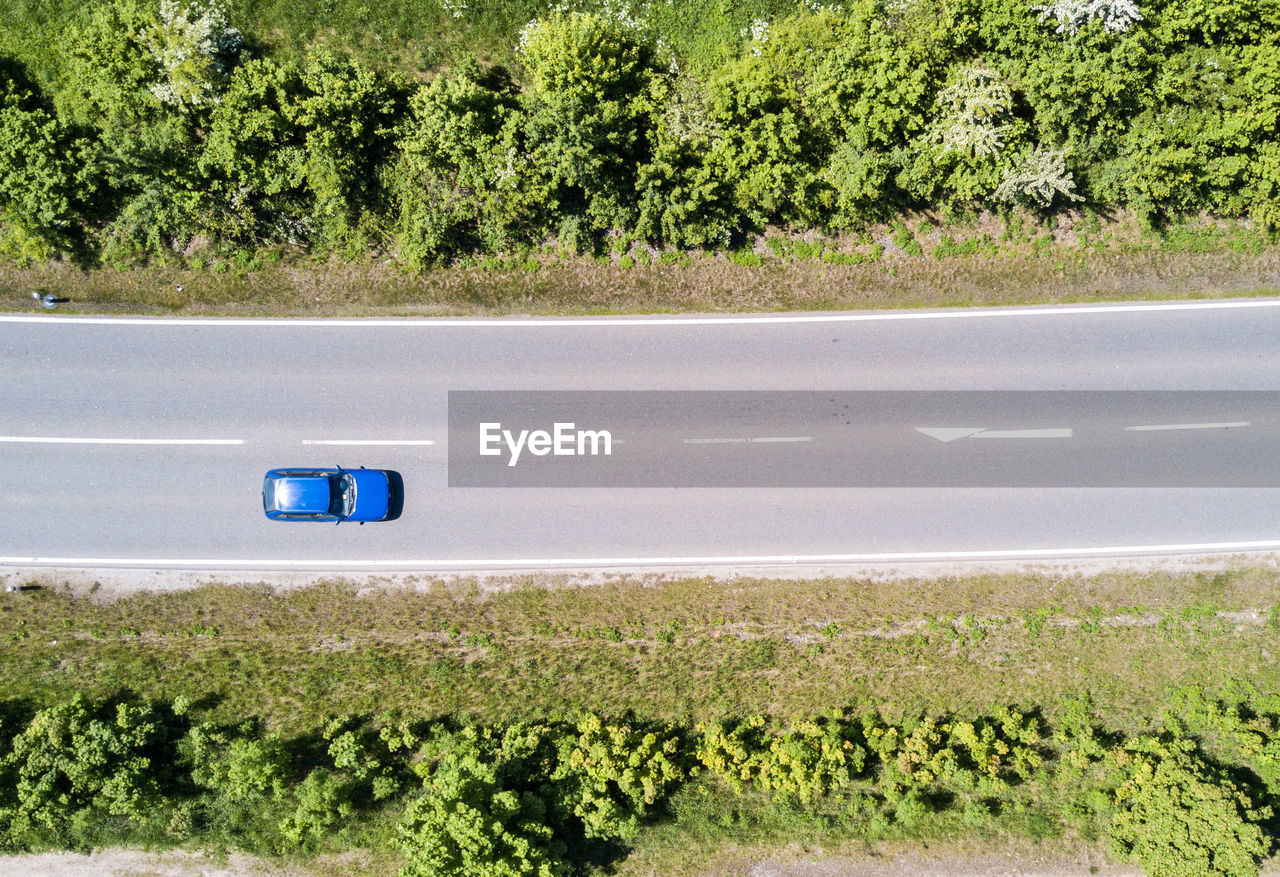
{"x": 295, "y": 152}
{"x": 37, "y": 170}
{"x": 1177, "y": 816}
{"x": 79, "y": 762}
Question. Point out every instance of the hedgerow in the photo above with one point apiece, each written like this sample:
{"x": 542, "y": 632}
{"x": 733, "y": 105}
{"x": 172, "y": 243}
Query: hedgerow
{"x": 168, "y": 126}
{"x": 557, "y": 797}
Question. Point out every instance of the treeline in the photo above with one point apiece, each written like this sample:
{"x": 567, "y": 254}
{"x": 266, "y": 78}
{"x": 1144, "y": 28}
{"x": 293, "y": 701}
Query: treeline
{"x": 166, "y": 130}
{"x": 564, "y": 797}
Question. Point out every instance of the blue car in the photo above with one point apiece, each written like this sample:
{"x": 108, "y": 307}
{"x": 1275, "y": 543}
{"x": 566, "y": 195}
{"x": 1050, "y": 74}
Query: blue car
{"x": 335, "y": 494}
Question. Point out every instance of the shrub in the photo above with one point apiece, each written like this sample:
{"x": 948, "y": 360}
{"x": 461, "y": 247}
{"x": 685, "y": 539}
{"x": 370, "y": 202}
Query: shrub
{"x": 295, "y": 152}
{"x": 76, "y": 759}
{"x": 1177, "y": 816}
{"x": 612, "y": 774}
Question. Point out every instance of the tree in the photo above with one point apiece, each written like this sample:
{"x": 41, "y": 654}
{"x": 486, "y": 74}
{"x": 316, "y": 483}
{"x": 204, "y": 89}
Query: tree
{"x": 139, "y": 181}
{"x": 483, "y": 811}
{"x": 295, "y": 151}
{"x": 79, "y": 757}
{"x": 37, "y": 176}
{"x": 1178, "y": 817}
{"x": 588, "y": 102}
{"x": 196, "y": 51}
{"x": 871, "y": 93}
{"x": 612, "y": 774}
{"x": 962, "y": 155}
{"x": 455, "y": 181}
{"x": 807, "y": 761}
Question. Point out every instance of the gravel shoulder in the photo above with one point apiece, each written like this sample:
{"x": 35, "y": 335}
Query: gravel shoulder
{"x": 107, "y": 585}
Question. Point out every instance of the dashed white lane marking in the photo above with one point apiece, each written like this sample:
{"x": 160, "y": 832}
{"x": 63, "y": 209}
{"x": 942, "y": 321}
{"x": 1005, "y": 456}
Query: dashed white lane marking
{"x": 1187, "y": 426}
{"x": 563, "y": 562}
{"x": 555, "y": 322}
{"x": 742, "y": 441}
{"x": 388, "y": 442}
{"x": 69, "y": 440}
{"x": 951, "y": 433}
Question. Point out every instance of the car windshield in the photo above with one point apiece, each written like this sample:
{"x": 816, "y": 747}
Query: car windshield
{"x": 268, "y": 494}
{"x": 342, "y": 494}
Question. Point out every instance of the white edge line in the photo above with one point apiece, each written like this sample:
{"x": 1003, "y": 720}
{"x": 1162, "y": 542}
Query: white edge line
{"x": 1187, "y": 426}
{"x": 553, "y": 322}
{"x": 61, "y": 440}
{"x": 560, "y": 562}
{"x": 366, "y": 442}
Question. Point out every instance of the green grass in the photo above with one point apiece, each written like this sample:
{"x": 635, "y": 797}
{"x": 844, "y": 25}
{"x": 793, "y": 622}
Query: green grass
{"x": 410, "y": 37}
{"x": 686, "y": 650}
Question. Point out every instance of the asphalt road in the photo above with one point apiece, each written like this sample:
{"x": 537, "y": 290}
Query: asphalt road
{"x": 86, "y": 404}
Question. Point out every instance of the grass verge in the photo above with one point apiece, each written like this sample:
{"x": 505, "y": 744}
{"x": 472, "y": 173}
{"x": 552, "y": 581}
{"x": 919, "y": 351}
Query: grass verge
{"x": 956, "y": 267}
{"x": 684, "y": 650}
{"x": 687, "y": 650}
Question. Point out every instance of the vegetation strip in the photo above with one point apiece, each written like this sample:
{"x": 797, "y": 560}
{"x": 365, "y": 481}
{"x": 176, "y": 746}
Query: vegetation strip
{"x": 646, "y": 723}
{"x": 859, "y": 137}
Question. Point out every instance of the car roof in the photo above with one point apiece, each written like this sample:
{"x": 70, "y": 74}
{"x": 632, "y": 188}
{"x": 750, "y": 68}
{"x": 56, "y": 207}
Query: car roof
{"x": 302, "y": 493}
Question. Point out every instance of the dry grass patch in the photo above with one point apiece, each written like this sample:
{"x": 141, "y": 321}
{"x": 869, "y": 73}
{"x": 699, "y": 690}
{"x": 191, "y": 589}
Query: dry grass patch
{"x": 1077, "y": 261}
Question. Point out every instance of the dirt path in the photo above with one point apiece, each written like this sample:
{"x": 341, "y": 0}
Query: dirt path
{"x": 135, "y": 863}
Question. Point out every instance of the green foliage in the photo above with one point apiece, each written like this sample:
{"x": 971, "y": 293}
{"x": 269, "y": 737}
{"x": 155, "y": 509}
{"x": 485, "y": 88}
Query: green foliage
{"x": 483, "y": 810}
{"x": 295, "y": 152}
{"x": 1179, "y": 817}
{"x": 323, "y": 802}
{"x": 77, "y": 762}
{"x": 591, "y": 88}
{"x": 37, "y": 174}
{"x": 871, "y": 93}
{"x": 546, "y": 798}
{"x": 694, "y": 126}
{"x": 904, "y": 240}
{"x": 612, "y": 774}
{"x": 138, "y": 178}
{"x": 683, "y": 199}
{"x": 808, "y": 760}
{"x": 195, "y": 49}
{"x": 455, "y": 183}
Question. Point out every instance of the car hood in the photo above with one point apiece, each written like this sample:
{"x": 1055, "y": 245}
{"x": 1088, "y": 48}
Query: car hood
{"x": 373, "y": 494}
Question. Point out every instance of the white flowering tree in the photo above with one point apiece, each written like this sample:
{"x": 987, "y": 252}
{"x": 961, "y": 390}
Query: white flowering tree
{"x": 973, "y": 113}
{"x": 966, "y": 147}
{"x": 1037, "y": 177}
{"x": 195, "y": 49}
{"x": 1117, "y": 16}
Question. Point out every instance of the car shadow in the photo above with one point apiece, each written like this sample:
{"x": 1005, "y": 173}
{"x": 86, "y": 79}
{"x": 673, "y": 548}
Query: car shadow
{"x": 395, "y": 499}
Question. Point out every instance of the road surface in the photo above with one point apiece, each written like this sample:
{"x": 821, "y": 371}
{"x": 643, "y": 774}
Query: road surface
{"x": 142, "y": 443}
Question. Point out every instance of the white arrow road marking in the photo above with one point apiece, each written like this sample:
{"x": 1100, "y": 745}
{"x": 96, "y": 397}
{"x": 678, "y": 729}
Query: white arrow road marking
{"x": 64, "y": 440}
{"x": 951, "y": 433}
{"x": 743, "y": 441}
{"x": 368, "y": 442}
{"x": 1024, "y": 433}
{"x": 1187, "y": 426}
